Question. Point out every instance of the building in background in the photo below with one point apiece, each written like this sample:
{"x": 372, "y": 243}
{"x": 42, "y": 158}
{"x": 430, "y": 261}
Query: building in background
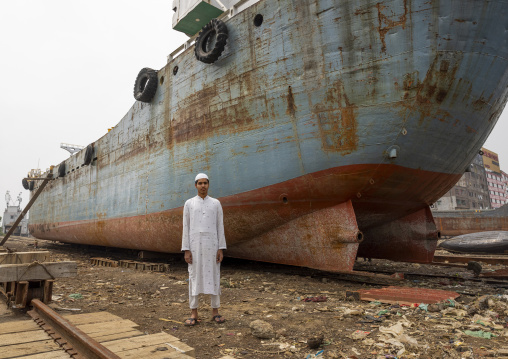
{"x": 504, "y": 177}
{"x": 496, "y": 179}
{"x": 12, "y": 213}
{"x": 469, "y": 193}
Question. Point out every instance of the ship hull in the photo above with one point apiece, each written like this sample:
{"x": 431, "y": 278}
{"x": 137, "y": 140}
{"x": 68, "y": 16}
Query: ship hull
{"x": 458, "y": 223}
{"x": 369, "y": 110}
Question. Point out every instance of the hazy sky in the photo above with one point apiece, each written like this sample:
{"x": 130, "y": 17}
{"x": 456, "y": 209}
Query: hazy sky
{"x": 68, "y": 71}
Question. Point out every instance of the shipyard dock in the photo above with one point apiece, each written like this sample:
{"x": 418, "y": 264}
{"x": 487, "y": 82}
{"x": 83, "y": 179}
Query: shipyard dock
{"x": 298, "y": 303}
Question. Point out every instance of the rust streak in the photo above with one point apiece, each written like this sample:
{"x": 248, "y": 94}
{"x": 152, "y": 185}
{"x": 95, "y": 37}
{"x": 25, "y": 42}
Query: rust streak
{"x": 386, "y": 24}
{"x": 291, "y": 103}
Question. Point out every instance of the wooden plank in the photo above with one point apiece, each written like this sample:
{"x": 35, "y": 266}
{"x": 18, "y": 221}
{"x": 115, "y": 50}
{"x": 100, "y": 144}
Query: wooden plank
{"x": 21, "y": 295}
{"x": 178, "y": 355}
{"x": 120, "y": 345}
{"x": 182, "y": 348}
{"x": 18, "y": 326}
{"x": 101, "y": 337}
{"x": 37, "y": 271}
{"x": 110, "y": 330}
{"x": 48, "y": 291}
{"x": 24, "y": 337}
{"x": 107, "y": 326}
{"x": 23, "y": 257}
{"x": 152, "y": 353}
{"x": 22, "y": 350}
{"x": 87, "y": 318}
{"x": 60, "y": 354}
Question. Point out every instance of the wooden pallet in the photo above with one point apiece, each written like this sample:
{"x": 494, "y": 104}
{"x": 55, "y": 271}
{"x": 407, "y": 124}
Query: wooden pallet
{"x": 27, "y": 275}
{"x": 105, "y": 262}
{"x": 154, "y": 267}
{"x": 26, "y": 339}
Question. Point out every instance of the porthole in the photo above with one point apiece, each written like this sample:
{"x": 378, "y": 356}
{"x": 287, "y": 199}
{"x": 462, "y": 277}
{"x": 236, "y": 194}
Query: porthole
{"x": 258, "y": 20}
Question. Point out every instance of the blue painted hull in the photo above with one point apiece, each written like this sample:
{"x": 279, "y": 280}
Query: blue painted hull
{"x": 383, "y": 104}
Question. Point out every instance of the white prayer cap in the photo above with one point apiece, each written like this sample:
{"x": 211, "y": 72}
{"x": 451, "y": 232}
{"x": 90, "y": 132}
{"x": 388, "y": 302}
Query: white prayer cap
{"x": 200, "y": 176}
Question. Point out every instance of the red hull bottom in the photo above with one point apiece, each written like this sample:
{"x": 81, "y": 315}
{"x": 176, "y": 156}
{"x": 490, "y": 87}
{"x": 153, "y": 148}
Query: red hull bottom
{"x": 412, "y": 238}
{"x": 308, "y": 221}
{"x": 327, "y": 240}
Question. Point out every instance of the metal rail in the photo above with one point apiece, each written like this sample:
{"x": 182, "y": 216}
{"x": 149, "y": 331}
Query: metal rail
{"x": 467, "y": 258}
{"x": 27, "y": 207}
{"x": 74, "y": 341}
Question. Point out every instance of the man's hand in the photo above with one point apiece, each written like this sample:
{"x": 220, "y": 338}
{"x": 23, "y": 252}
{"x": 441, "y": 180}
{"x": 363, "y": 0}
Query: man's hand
{"x": 188, "y": 257}
{"x": 220, "y": 256}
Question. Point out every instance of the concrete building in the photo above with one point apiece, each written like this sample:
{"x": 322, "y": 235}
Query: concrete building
{"x": 496, "y": 179}
{"x": 470, "y": 193}
{"x": 10, "y": 215}
{"x": 504, "y": 178}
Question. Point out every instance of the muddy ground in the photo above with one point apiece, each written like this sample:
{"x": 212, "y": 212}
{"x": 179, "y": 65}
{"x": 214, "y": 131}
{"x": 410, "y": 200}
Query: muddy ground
{"x": 274, "y": 294}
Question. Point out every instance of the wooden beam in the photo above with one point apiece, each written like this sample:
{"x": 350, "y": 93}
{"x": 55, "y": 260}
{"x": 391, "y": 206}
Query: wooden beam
{"x": 27, "y": 207}
{"x": 23, "y": 257}
{"x": 21, "y": 294}
{"x": 37, "y": 271}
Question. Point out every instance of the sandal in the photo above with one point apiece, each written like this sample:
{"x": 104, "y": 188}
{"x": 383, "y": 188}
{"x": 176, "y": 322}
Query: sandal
{"x": 217, "y": 319}
{"x": 191, "y": 322}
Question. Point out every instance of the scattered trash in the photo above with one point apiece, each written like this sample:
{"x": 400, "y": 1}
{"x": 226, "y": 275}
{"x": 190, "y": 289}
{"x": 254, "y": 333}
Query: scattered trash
{"x": 424, "y": 307}
{"x": 319, "y": 354}
{"x": 261, "y": 329}
{"x": 349, "y": 311}
{"x": 479, "y": 334}
{"x": 359, "y": 334}
{"x": 171, "y": 320}
{"x": 315, "y": 299}
{"x": 76, "y": 296}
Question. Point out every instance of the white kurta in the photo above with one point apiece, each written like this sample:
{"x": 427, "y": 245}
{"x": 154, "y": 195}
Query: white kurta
{"x": 203, "y": 235}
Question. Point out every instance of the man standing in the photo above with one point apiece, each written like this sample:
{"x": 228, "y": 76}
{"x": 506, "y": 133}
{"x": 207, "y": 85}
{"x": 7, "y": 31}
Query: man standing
{"x": 203, "y": 241}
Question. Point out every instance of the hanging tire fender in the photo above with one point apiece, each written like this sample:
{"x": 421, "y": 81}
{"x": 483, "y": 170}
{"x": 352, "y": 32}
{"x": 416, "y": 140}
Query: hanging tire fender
{"x": 61, "y": 170}
{"x": 145, "y": 85}
{"x": 25, "y": 184}
{"x": 211, "y": 41}
{"x": 88, "y": 155}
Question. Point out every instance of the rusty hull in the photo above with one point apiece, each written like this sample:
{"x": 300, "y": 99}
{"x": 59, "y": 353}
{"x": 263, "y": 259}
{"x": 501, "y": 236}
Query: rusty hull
{"x": 352, "y": 115}
{"x": 465, "y": 222}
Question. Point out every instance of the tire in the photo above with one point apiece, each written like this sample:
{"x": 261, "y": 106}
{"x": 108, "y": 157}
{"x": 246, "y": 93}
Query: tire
{"x": 211, "y": 41}
{"x": 88, "y": 155}
{"x": 24, "y": 182}
{"x": 31, "y": 185}
{"x": 61, "y": 170}
{"x": 145, "y": 85}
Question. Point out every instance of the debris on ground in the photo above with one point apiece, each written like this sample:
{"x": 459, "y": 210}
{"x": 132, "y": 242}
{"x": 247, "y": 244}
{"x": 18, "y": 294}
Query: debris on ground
{"x": 473, "y": 324}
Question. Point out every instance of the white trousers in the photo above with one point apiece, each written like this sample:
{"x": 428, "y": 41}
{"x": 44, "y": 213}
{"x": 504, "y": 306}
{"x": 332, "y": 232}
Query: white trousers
{"x": 193, "y": 300}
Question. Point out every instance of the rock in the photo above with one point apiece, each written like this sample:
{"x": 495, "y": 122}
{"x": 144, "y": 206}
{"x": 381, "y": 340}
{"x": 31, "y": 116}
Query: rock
{"x": 472, "y": 310}
{"x": 261, "y": 329}
{"x": 284, "y": 315}
{"x": 483, "y": 302}
{"x": 315, "y": 342}
{"x": 436, "y": 307}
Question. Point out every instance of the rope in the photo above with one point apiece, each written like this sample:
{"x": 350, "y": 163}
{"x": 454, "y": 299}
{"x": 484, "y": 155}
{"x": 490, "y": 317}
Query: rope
{"x": 35, "y": 264}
